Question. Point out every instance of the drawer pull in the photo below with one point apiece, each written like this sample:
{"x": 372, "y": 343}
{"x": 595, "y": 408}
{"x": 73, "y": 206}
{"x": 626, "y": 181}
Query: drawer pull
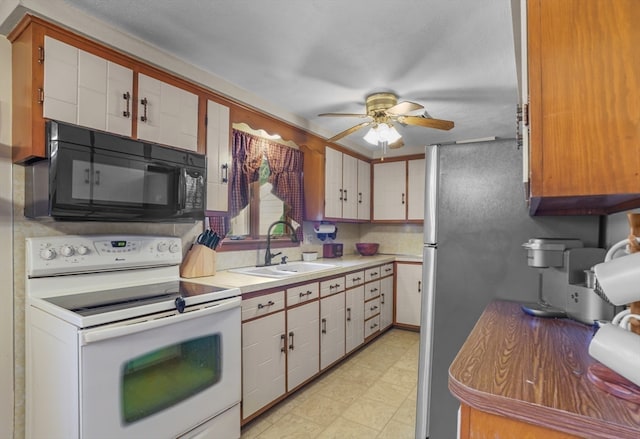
{"x": 373, "y": 308}
{"x": 375, "y": 273}
{"x": 307, "y": 294}
{"x": 291, "y": 340}
{"x": 324, "y": 326}
{"x": 375, "y": 325}
{"x": 269, "y": 303}
{"x": 373, "y": 290}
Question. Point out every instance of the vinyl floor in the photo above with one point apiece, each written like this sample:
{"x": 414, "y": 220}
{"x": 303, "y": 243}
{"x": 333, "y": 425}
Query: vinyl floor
{"x": 370, "y": 395}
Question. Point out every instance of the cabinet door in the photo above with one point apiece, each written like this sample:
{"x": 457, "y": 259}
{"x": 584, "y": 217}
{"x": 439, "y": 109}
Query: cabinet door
{"x": 60, "y": 81}
{"x": 333, "y": 183}
{"x": 119, "y": 99}
{"x": 415, "y": 192}
{"x": 332, "y": 329}
{"x": 583, "y": 114}
{"x": 92, "y": 91}
{"x": 218, "y": 165}
{"x": 408, "y": 293}
{"x": 386, "y": 302}
{"x": 354, "y": 326}
{"x": 263, "y": 362}
{"x": 349, "y": 187}
{"x": 364, "y": 190}
{"x": 302, "y": 344}
{"x": 389, "y": 191}
{"x": 167, "y": 114}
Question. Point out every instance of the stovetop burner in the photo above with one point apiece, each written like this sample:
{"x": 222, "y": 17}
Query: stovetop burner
{"x": 98, "y": 302}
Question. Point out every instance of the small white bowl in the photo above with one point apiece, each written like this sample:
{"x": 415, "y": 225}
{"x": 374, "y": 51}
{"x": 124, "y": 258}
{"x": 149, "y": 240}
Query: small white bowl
{"x": 309, "y": 256}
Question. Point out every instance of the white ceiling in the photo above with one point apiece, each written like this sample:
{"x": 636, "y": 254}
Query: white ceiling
{"x": 455, "y": 57}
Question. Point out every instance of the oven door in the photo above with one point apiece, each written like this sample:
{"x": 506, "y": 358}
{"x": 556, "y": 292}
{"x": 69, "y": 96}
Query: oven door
{"x": 162, "y": 377}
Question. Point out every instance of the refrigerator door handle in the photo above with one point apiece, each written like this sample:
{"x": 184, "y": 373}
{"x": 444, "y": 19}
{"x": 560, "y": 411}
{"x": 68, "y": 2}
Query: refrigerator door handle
{"x": 432, "y": 163}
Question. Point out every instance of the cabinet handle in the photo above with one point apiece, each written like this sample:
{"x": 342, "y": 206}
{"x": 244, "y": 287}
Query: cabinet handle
{"x": 348, "y": 314}
{"x": 291, "y": 340}
{"x": 419, "y": 286}
{"x": 373, "y": 326}
{"x": 341, "y": 194}
{"x": 41, "y": 96}
{"x": 402, "y": 198}
{"x": 375, "y": 273}
{"x": 324, "y": 326}
{"x": 40, "y": 55}
{"x": 97, "y": 179}
{"x": 87, "y": 176}
{"x": 337, "y": 285}
{"x": 382, "y": 298}
{"x": 127, "y": 97}
{"x": 269, "y": 303}
{"x": 144, "y": 103}
{"x": 388, "y": 269}
{"x": 360, "y": 197}
{"x": 225, "y": 173}
{"x": 345, "y": 195}
{"x": 373, "y": 308}
{"x": 307, "y": 294}
{"x": 282, "y": 338}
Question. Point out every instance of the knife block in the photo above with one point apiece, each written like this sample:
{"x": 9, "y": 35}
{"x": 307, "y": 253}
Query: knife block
{"x": 199, "y": 261}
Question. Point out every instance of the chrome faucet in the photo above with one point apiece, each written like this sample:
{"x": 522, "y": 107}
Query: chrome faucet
{"x": 267, "y": 254}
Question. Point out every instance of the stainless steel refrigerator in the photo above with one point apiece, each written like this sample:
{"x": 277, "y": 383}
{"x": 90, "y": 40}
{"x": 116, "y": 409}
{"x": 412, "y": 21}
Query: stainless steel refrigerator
{"x": 475, "y": 223}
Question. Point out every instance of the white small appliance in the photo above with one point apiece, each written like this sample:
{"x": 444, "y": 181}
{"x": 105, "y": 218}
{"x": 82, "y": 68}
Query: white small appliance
{"x": 119, "y": 346}
{"x": 614, "y": 345}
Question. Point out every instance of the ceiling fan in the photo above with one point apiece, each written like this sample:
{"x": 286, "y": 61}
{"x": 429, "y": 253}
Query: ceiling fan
{"x": 383, "y": 110}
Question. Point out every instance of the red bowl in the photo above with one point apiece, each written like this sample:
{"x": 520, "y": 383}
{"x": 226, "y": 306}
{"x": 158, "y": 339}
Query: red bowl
{"x": 367, "y": 248}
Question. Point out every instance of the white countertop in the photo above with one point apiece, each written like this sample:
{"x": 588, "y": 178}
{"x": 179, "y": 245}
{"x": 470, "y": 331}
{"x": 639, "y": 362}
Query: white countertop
{"x": 250, "y": 283}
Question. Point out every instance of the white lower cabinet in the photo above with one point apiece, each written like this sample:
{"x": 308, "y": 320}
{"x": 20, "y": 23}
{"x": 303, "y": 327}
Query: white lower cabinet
{"x": 263, "y": 362}
{"x": 408, "y": 293}
{"x": 386, "y": 302}
{"x": 332, "y": 329}
{"x": 354, "y": 324}
{"x": 302, "y": 344}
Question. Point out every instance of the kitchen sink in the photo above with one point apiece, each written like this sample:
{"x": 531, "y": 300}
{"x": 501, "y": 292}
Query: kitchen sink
{"x": 283, "y": 270}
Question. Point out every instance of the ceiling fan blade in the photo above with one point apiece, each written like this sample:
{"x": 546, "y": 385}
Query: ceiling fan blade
{"x": 343, "y": 115}
{"x": 353, "y": 129}
{"x": 404, "y": 108}
{"x": 439, "y": 124}
{"x": 397, "y": 144}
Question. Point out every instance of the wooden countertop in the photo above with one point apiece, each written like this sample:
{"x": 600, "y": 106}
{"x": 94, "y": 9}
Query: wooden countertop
{"x": 535, "y": 370}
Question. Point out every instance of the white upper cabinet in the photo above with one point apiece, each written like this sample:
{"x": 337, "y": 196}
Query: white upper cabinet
{"x": 347, "y": 181}
{"x": 167, "y": 114}
{"x": 398, "y": 190}
{"x": 218, "y": 156}
{"x": 415, "y": 194}
{"x": 389, "y": 191}
{"x": 83, "y": 89}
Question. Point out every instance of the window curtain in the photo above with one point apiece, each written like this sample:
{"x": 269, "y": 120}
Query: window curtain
{"x": 286, "y": 177}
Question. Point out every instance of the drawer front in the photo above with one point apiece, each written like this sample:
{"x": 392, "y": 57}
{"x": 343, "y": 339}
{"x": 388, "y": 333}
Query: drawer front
{"x": 371, "y": 308}
{"x": 371, "y": 326}
{"x": 372, "y": 274}
{"x": 331, "y": 286}
{"x": 302, "y": 293}
{"x": 386, "y": 270}
{"x": 355, "y": 279}
{"x": 371, "y": 290}
{"x": 261, "y": 305}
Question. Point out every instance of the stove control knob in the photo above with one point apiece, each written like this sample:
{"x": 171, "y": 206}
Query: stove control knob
{"x": 66, "y": 250}
{"x": 83, "y": 249}
{"x": 47, "y": 254}
{"x": 162, "y": 246}
{"x": 173, "y": 248}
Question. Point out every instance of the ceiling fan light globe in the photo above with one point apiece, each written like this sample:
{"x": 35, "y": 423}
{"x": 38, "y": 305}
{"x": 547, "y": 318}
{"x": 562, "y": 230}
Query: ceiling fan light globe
{"x": 371, "y": 137}
{"x": 391, "y": 135}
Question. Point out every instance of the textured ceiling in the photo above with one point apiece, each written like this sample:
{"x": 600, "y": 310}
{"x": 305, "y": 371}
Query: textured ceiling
{"x": 455, "y": 57}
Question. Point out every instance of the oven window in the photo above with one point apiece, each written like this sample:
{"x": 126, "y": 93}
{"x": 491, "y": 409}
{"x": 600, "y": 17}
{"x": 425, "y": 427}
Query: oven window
{"x": 163, "y": 378}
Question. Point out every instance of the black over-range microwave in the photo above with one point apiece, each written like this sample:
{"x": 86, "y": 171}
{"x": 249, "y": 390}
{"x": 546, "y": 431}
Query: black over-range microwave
{"x": 95, "y": 176}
